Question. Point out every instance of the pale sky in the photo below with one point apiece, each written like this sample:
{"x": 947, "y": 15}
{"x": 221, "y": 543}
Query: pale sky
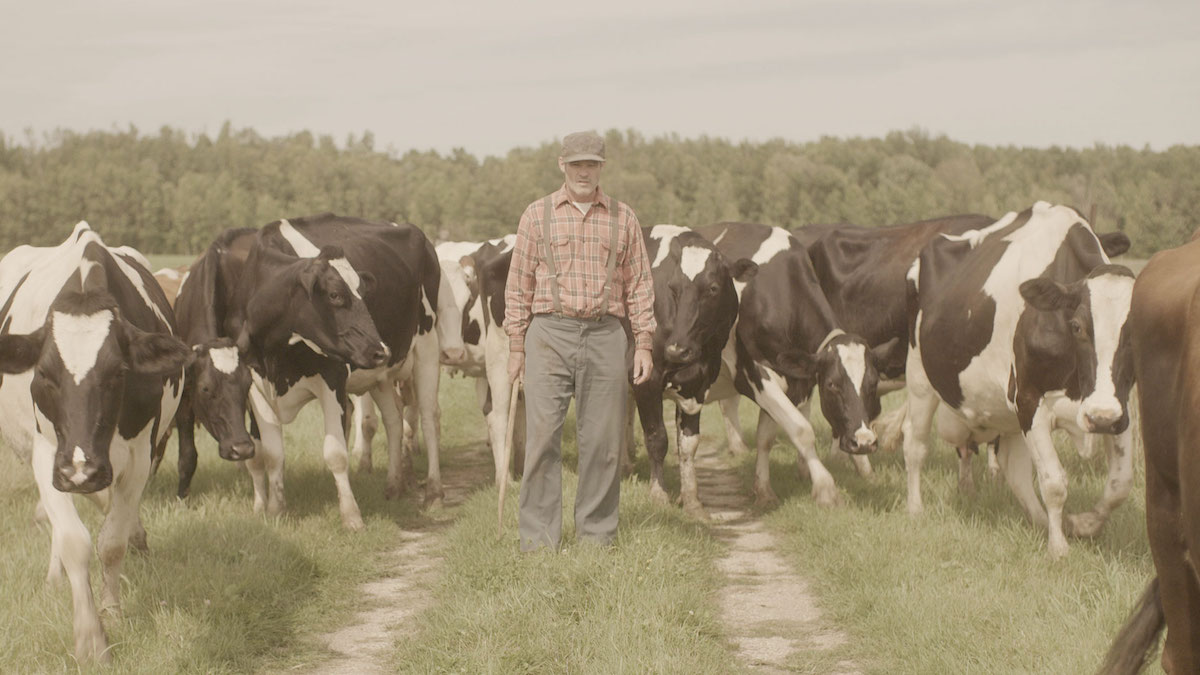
{"x": 491, "y": 76}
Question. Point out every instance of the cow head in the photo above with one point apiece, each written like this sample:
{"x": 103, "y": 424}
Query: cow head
{"x": 81, "y": 358}
{"x": 847, "y": 373}
{"x": 1093, "y": 312}
{"x": 699, "y": 305}
{"x": 319, "y": 302}
{"x": 219, "y": 380}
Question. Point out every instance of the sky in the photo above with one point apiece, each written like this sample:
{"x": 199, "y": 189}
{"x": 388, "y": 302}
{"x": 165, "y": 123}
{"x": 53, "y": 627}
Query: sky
{"x": 491, "y": 76}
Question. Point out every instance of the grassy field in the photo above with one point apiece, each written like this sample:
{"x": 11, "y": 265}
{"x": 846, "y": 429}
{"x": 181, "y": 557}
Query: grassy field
{"x": 967, "y": 588}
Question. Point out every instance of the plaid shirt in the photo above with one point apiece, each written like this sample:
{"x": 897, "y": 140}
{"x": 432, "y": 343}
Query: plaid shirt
{"x": 580, "y": 244}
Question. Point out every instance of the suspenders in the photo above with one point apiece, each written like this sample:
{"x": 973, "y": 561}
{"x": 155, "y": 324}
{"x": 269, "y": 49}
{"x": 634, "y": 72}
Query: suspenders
{"x": 611, "y": 265}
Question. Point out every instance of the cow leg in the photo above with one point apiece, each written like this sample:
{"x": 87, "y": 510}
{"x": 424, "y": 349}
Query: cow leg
{"x": 498, "y": 390}
{"x": 1052, "y": 480}
{"x": 121, "y": 521}
{"x": 70, "y": 538}
{"x": 363, "y": 428}
{"x": 1017, "y": 463}
{"x": 426, "y": 378}
{"x": 920, "y": 408}
{"x": 185, "y": 424}
{"x": 733, "y": 426}
{"x": 650, "y": 411}
{"x": 688, "y": 424}
{"x": 393, "y": 426}
{"x": 764, "y": 438}
{"x": 629, "y": 446}
{"x": 783, "y": 412}
{"x": 337, "y": 459}
{"x": 1116, "y": 488}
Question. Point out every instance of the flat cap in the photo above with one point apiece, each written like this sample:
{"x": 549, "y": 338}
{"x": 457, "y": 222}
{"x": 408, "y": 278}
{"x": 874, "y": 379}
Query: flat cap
{"x": 582, "y": 145}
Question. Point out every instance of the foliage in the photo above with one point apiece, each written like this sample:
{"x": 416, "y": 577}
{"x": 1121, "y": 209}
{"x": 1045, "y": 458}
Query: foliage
{"x": 172, "y": 193}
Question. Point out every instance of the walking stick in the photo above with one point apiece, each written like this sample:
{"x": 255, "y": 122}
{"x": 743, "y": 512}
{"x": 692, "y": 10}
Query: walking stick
{"x": 507, "y": 453}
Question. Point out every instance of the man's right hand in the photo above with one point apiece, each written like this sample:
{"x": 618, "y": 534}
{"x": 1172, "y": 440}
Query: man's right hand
{"x": 516, "y": 366}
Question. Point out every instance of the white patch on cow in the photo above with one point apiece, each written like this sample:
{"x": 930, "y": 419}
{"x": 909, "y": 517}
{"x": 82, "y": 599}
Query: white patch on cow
{"x": 169, "y": 273}
{"x": 1110, "y": 295}
{"x": 186, "y": 276}
{"x": 854, "y": 360}
{"x": 79, "y": 338}
{"x": 224, "y": 359}
{"x": 85, "y": 268}
{"x": 689, "y": 405}
{"x": 779, "y": 241}
{"x": 664, "y": 233}
{"x": 976, "y": 237}
{"x": 296, "y": 337}
{"x": 864, "y": 436}
{"x": 135, "y": 278}
{"x": 716, "y": 240}
{"x": 914, "y": 273}
{"x": 303, "y": 247}
{"x": 692, "y": 261}
{"x": 349, "y": 275}
{"x": 79, "y": 462}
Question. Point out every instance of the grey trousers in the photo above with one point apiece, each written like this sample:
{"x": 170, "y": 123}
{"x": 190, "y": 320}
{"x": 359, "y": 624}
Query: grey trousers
{"x": 590, "y": 360}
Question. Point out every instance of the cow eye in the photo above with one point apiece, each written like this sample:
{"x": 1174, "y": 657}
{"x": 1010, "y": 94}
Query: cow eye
{"x": 714, "y": 289}
{"x": 335, "y": 297}
{"x": 1076, "y": 327}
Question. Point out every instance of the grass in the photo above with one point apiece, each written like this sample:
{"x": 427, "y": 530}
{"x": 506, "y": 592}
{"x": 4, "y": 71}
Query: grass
{"x": 966, "y": 588}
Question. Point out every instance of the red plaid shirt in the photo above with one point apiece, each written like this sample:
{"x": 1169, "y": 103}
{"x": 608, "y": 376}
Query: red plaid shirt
{"x": 580, "y": 244}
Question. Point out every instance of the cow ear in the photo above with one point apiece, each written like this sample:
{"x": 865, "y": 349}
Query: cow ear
{"x": 1114, "y": 243}
{"x": 1048, "y": 295}
{"x": 19, "y": 353}
{"x": 796, "y": 364}
{"x": 155, "y": 353}
{"x": 743, "y": 269}
{"x": 881, "y": 354}
{"x": 368, "y": 283}
{"x": 308, "y": 277}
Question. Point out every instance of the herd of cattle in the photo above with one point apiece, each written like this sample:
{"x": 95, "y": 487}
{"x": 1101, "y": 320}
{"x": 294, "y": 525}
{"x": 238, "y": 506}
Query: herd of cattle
{"x": 1005, "y": 330}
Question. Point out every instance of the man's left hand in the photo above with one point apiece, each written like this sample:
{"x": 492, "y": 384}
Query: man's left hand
{"x": 643, "y": 363}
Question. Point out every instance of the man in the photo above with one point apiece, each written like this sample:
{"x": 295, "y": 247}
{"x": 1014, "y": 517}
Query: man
{"x": 578, "y": 267}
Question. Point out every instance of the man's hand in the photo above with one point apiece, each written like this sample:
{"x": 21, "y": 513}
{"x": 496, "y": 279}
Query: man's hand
{"x": 516, "y": 366}
{"x": 643, "y": 363}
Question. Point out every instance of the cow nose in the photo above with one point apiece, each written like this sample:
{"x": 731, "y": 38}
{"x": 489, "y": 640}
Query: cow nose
{"x": 238, "y": 451}
{"x": 453, "y": 356}
{"x": 82, "y": 478}
{"x": 677, "y": 353}
{"x": 380, "y": 356}
{"x": 864, "y": 442}
{"x": 1100, "y": 422}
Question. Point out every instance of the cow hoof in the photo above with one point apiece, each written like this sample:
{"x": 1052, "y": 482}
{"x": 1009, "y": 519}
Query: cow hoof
{"x": 353, "y": 523}
{"x": 139, "y": 543}
{"x": 1083, "y": 524}
{"x": 433, "y": 501}
{"x": 766, "y": 500}
{"x": 696, "y": 510}
{"x": 393, "y": 490}
{"x": 658, "y": 495}
{"x": 110, "y": 610}
{"x": 827, "y": 498}
{"x": 1058, "y": 550}
{"x": 92, "y": 648}
{"x": 275, "y": 508}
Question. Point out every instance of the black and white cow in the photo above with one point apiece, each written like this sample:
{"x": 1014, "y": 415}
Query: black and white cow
{"x": 92, "y": 374}
{"x": 696, "y": 306}
{"x": 408, "y": 286}
{"x": 786, "y": 341}
{"x": 218, "y": 383}
{"x": 1017, "y": 329}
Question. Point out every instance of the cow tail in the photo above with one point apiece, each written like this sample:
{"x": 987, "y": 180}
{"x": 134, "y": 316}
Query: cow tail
{"x": 1133, "y": 648}
{"x": 889, "y": 427}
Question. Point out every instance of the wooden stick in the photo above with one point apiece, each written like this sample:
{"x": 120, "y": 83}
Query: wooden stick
{"x": 507, "y": 453}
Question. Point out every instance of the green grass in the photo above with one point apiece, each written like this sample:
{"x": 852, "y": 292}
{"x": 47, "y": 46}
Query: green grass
{"x": 968, "y": 586}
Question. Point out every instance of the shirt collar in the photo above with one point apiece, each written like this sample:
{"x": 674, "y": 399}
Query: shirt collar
{"x": 562, "y": 197}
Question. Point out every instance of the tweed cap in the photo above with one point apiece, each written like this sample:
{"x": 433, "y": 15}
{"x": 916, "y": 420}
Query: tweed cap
{"x": 582, "y": 145}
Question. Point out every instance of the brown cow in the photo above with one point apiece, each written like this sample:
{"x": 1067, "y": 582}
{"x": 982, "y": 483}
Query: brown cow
{"x": 1165, "y": 336}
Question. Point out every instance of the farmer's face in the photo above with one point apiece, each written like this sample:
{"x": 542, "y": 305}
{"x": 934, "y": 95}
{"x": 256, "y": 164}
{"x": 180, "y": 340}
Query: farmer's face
{"x": 583, "y": 177}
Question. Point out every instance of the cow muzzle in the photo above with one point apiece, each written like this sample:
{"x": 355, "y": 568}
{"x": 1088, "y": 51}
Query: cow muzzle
{"x": 237, "y": 451}
{"x": 679, "y": 354}
{"x": 1101, "y": 418}
{"x": 861, "y": 442}
{"x": 80, "y": 474}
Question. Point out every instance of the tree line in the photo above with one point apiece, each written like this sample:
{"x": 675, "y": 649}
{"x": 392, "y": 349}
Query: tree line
{"x": 172, "y": 192}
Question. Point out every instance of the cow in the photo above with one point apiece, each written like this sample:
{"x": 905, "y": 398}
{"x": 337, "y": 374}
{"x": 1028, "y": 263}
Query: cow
{"x": 1017, "y": 329}
{"x": 695, "y": 305}
{"x": 92, "y": 374}
{"x": 1164, "y": 338}
{"x": 414, "y": 312}
{"x": 786, "y": 341}
{"x": 170, "y": 279}
{"x": 218, "y": 382}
